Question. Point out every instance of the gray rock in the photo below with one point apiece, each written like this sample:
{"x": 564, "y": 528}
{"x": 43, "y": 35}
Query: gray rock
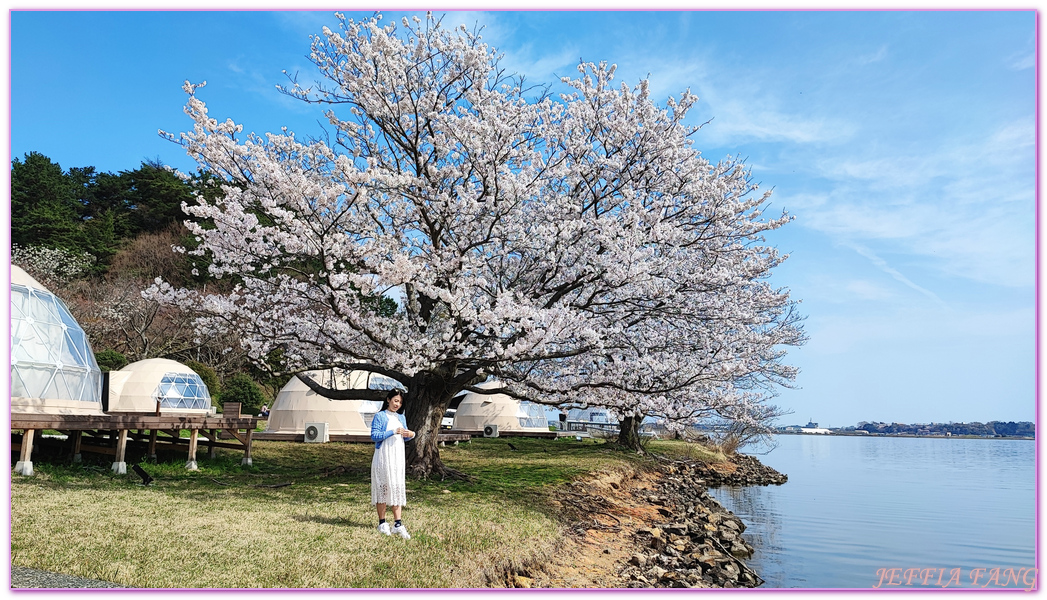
{"x": 740, "y": 550}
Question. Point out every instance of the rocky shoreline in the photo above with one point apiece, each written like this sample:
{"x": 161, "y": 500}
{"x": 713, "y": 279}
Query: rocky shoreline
{"x": 699, "y": 543}
{"x": 655, "y": 527}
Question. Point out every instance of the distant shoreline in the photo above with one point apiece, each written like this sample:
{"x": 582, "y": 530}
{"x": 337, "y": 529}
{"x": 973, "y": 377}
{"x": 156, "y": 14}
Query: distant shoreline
{"x": 909, "y": 435}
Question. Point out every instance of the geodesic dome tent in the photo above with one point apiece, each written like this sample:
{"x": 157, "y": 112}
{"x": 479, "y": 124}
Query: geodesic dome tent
{"x": 53, "y": 369}
{"x": 297, "y": 405}
{"x": 138, "y": 386}
{"x": 476, "y": 411}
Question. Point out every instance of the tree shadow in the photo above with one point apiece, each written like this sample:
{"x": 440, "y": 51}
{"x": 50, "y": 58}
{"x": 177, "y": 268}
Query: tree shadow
{"x": 334, "y": 521}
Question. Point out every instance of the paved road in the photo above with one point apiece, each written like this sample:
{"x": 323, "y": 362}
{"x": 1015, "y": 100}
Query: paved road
{"x": 23, "y": 577}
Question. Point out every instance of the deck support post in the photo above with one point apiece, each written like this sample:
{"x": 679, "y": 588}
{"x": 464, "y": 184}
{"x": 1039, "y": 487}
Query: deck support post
{"x": 193, "y": 435}
{"x": 24, "y": 466}
{"x": 152, "y": 445}
{"x": 120, "y": 465}
{"x": 246, "y": 462}
{"x": 77, "y": 439}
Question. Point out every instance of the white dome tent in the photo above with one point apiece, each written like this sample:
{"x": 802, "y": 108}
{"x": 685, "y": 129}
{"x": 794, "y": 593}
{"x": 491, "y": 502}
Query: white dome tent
{"x": 477, "y": 411}
{"x": 53, "y": 370}
{"x": 297, "y": 405}
{"x": 137, "y": 387}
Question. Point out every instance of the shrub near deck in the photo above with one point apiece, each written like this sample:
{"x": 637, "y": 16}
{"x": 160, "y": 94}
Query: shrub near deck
{"x": 215, "y": 528}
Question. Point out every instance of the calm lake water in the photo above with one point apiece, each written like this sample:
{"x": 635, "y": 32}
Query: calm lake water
{"x": 855, "y": 506}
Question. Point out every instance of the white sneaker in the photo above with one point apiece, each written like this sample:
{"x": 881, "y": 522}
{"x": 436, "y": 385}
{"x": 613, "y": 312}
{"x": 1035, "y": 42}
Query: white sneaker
{"x": 402, "y": 532}
{"x": 383, "y": 528}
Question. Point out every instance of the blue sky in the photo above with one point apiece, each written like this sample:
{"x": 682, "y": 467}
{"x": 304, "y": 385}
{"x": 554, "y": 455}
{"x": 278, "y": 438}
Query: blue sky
{"x": 902, "y": 142}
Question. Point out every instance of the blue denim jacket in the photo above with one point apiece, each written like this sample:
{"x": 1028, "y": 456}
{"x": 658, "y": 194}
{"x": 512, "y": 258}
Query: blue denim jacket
{"x": 379, "y": 427}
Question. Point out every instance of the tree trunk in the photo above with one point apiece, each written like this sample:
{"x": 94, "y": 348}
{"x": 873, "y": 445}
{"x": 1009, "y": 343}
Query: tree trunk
{"x": 629, "y": 433}
{"x": 425, "y": 404}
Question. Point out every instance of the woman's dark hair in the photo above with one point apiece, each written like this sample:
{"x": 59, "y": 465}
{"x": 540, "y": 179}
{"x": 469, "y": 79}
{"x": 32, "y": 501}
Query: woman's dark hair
{"x": 389, "y": 396}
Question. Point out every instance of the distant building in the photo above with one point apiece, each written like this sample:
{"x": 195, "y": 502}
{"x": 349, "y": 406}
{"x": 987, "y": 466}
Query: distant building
{"x": 590, "y": 419}
{"x": 816, "y": 430}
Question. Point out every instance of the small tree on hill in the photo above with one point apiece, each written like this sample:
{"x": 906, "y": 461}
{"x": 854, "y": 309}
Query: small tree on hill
{"x": 110, "y": 360}
{"x": 241, "y": 388}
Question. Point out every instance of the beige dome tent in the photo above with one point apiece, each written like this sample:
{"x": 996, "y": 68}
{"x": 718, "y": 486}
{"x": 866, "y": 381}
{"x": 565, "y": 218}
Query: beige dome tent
{"x": 476, "y": 411}
{"x": 297, "y": 405}
{"x": 53, "y": 370}
{"x": 138, "y": 386}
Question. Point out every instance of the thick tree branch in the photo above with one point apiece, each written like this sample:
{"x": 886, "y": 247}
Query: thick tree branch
{"x": 334, "y": 394}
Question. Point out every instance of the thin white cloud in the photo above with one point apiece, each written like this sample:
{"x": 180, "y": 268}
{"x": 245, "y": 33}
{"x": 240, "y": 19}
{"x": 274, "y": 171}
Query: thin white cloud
{"x": 868, "y": 290}
{"x": 306, "y": 23}
{"x": 471, "y": 19}
{"x": 964, "y": 209}
{"x": 741, "y": 121}
{"x": 891, "y": 171}
{"x": 541, "y": 67}
{"x": 837, "y": 333}
{"x": 868, "y": 59}
{"x": 1020, "y": 61}
{"x": 897, "y": 275}
{"x": 846, "y": 291}
{"x": 745, "y": 105}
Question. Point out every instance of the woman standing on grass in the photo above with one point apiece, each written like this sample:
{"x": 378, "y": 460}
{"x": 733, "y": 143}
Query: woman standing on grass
{"x": 388, "y": 467}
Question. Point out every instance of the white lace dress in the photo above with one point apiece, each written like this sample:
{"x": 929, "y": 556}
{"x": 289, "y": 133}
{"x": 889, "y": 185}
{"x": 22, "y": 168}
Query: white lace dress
{"x": 388, "y": 468}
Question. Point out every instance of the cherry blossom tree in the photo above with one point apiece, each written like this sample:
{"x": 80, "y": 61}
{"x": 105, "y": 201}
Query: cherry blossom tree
{"x": 576, "y": 247}
{"x": 52, "y": 267}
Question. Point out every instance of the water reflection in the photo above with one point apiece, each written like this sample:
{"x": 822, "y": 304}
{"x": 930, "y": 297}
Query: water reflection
{"x": 758, "y": 510}
{"x": 815, "y": 446}
{"x": 853, "y": 506}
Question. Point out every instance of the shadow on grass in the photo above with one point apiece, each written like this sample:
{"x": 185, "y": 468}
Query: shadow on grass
{"x": 333, "y": 521}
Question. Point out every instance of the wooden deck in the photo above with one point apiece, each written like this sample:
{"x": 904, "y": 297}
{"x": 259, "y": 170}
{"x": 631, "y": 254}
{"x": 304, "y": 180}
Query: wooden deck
{"x": 445, "y": 435}
{"x": 268, "y": 436}
{"x": 110, "y": 433}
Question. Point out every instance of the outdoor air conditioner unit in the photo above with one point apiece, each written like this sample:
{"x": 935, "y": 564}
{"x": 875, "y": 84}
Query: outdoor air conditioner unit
{"x": 316, "y": 433}
{"x": 490, "y": 430}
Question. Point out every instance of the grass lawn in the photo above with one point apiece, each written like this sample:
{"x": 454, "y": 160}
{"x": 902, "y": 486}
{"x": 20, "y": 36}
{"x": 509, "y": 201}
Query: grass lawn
{"x": 218, "y": 528}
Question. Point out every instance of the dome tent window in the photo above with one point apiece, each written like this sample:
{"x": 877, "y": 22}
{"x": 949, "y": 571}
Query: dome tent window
{"x": 182, "y": 390}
